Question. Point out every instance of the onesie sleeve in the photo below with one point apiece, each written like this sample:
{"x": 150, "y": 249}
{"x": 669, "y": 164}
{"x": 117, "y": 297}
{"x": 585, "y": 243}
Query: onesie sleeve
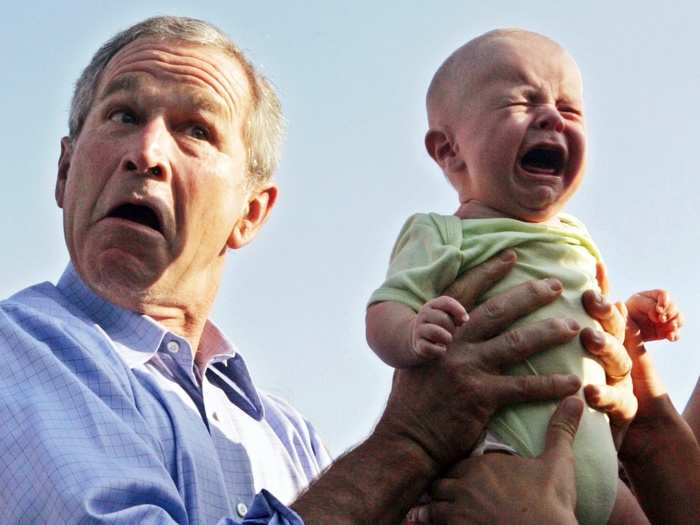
{"x": 425, "y": 260}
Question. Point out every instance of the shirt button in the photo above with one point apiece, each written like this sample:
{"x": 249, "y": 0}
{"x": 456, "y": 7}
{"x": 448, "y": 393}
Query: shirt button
{"x": 242, "y": 509}
{"x": 215, "y": 416}
{"x": 173, "y": 347}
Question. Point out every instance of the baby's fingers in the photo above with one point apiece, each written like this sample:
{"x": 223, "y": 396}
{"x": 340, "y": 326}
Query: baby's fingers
{"x": 451, "y": 307}
{"x": 428, "y": 350}
{"x": 433, "y": 333}
{"x": 663, "y": 308}
{"x": 430, "y": 316}
{"x": 670, "y": 313}
{"x": 671, "y": 329}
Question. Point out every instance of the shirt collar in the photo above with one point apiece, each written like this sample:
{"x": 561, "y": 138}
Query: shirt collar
{"x": 137, "y": 336}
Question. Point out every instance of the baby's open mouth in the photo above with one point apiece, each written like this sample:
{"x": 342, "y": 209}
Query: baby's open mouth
{"x": 137, "y": 213}
{"x": 546, "y": 160}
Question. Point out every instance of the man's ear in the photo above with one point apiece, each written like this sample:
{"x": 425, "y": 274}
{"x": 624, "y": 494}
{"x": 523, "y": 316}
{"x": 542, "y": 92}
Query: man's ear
{"x": 444, "y": 150}
{"x": 63, "y": 167}
{"x": 255, "y": 214}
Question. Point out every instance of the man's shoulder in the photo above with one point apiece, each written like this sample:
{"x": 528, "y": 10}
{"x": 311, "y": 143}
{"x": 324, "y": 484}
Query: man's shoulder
{"x": 42, "y": 300}
{"x": 41, "y": 321}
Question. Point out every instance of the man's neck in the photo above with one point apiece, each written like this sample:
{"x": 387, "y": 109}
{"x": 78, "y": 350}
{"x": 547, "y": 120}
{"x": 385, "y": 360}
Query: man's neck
{"x": 182, "y": 309}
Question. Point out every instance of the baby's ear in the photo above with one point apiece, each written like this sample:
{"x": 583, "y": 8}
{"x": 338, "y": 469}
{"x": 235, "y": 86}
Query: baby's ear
{"x": 444, "y": 150}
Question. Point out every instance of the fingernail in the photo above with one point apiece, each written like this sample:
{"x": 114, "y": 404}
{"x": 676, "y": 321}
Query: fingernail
{"x": 507, "y": 256}
{"x": 553, "y": 284}
{"x": 573, "y": 325}
{"x": 572, "y": 407}
{"x": 573, "y": 381}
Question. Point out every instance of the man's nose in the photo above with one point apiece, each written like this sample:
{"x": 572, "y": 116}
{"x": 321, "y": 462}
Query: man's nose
{"x": 549, "y": 118}
{"x": 148, "y": 151}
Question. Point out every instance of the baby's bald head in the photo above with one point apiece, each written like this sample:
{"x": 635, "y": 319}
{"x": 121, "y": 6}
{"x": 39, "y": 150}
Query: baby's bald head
{"x": 461, "y": 74}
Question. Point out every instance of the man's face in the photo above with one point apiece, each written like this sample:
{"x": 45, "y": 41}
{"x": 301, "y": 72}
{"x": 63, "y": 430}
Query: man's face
{"x": 520, "y": 131}
{"x": 154, "y": 187}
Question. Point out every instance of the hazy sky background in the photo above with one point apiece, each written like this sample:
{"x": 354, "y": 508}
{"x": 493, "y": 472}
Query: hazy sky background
{"x": 352, "y": 78}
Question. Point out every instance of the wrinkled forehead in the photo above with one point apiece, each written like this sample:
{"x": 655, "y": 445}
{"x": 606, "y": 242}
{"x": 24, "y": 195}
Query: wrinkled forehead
{"x": 522, "y": 59}
{"x": 209, "y": 69}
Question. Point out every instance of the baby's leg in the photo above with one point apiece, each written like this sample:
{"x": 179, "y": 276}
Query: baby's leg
{"x": 626, "y": 510}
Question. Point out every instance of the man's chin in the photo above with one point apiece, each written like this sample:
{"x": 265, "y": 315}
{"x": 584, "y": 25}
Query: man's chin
{"x": 120, "y": 277}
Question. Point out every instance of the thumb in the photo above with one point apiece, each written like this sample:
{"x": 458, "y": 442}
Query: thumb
{"x": 562, "y": 428}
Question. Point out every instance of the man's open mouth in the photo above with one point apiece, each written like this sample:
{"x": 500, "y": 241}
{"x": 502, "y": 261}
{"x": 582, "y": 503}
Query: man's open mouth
{"x": 544, "y": 160}
{"x": 138, "y": 213}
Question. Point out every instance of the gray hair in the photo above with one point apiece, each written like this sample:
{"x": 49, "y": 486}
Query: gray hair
{"x": 262, "y": 129}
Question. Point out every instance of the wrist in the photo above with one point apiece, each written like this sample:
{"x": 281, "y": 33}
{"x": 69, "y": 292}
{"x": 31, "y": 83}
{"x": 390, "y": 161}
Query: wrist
{"x": 407, "y": 445}
{"x": 377, "y": 482}
{"x": 656, "y": 430}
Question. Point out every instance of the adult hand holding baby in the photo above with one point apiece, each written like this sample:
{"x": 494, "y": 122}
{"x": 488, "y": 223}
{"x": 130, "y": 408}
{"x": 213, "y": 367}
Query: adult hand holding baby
{"x": 660, "y": 454}
{"x": 520, "y": 490}
{"x": 444, "y": 405}
{"x": 616, "y": 397}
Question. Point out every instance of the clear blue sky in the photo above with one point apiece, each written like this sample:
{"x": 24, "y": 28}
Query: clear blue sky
{"x": 352, "y": 77}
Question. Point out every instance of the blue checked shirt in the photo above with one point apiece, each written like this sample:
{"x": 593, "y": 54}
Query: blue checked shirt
{"x": 103, "y": 420}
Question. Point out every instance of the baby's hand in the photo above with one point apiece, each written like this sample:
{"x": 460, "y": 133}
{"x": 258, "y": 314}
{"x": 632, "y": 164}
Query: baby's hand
{"x": 435, "y": 324}
{"x": 655, "y": 314}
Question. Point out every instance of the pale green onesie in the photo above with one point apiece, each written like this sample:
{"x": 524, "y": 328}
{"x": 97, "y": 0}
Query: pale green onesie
{"x": 433, "y": 250}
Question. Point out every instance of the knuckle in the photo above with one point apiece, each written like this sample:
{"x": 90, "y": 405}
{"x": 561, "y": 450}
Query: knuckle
{"x": 554, "y": 326}
{"x": 513, "y": 340}
{"x": 523, "y": 384}
{"x": 625, "y": 363}
{"x": 493, "y": 310}
{"x": 535, "y": 287}
{"x": 548, "y": 385}
{"x": 565, "y": 426}
{"x": 492, "y": 270}
{"x": 605, "y": 309}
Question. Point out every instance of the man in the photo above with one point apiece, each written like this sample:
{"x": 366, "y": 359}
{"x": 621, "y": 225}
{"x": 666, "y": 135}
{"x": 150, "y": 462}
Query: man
{"x": 122, "y": 403}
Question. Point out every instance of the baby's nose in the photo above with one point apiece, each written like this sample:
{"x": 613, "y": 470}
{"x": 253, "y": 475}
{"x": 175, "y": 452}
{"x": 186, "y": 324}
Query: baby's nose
{"x": 549, "y": 118}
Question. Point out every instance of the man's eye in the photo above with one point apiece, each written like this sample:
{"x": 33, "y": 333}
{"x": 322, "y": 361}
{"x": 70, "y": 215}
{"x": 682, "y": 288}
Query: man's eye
{"x": 199, "y": 132}
{"x": 123, "y": 117}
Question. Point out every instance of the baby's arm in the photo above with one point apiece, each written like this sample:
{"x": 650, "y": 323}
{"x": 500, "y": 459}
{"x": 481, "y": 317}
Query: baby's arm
{"x": 402, "y": 338}
{"x": 655, "y": 314}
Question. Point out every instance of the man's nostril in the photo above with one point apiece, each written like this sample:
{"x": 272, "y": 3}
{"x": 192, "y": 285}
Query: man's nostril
{"x": 130, "y": 166}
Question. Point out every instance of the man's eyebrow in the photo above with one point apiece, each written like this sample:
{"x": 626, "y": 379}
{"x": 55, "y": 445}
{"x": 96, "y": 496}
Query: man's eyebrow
{"x": 132, "y": 83}
{"x": 207, "y": 104}
{"x": 126, "y": 83}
